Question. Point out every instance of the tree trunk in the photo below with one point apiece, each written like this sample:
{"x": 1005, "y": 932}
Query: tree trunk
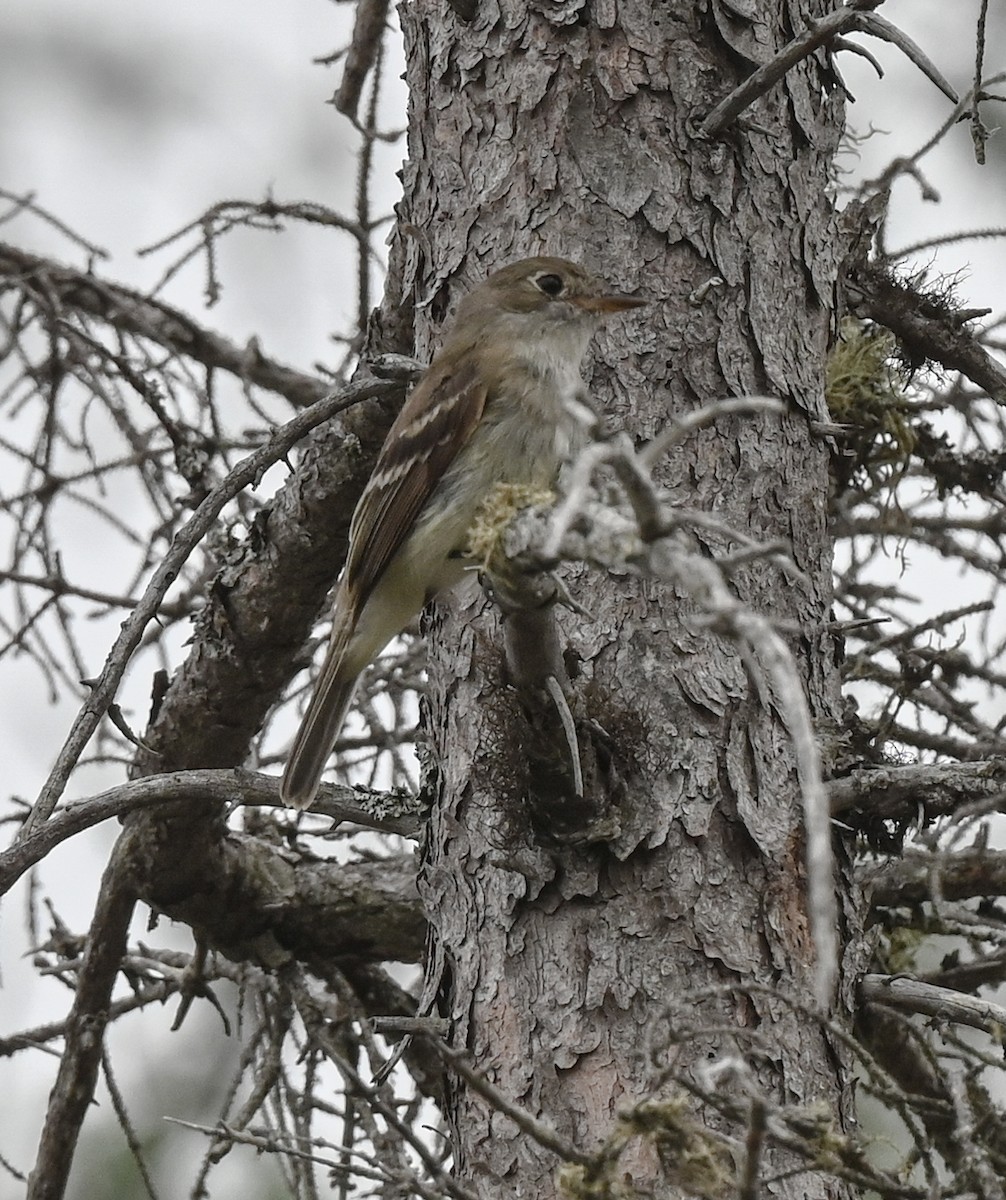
{"x": 573, "y": 972}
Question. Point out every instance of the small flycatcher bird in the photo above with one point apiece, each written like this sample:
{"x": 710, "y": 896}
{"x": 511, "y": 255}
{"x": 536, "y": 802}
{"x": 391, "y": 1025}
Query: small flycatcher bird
{"x": 498, "y": 405}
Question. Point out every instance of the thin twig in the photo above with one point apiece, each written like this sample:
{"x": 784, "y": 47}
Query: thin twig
{"x": 212, "y": 787}
{"x": 126, "y": 1125}
{"x": 368, "y": 35}
{"x": 569, "y": 728}
{"x": 979, "y": 130}
{"x": 683, "y": 427}
{"x": 184, "y": 542}
{"x": 28, "y": 203}
{"x": 57, "y": 288}
{"x": 540, "y": 1131}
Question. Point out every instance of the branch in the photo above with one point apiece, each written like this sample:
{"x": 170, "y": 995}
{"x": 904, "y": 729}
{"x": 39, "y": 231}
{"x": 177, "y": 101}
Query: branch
{"x": 104, "y": 688}
{"x": 955, "y": 875}
{"x": 73, "y": 1090}
{"x": 769, "y": 74}
{"x": 850, "y": 17}
{"x": 387, "y": 812}
{"x": 265, "y": 904}
{"x": 935, "y": 789}
{"x": 987, "y": 970}
{"x": 911, "y": 995}
{"x": 925, "y": 332}
{"x": 368, "y": 32}
{"x": 55, "y": 289}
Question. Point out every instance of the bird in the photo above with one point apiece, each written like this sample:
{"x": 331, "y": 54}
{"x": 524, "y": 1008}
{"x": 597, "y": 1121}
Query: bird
{"x": 499, "y": 404}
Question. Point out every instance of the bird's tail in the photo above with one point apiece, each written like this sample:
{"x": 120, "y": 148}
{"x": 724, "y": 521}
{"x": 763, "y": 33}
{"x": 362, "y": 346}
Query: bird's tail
{"x": 325, "y": 714}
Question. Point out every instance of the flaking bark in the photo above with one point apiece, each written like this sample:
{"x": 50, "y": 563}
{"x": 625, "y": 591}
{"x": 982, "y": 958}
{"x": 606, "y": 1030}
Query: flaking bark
{"x": 568, "y": 129}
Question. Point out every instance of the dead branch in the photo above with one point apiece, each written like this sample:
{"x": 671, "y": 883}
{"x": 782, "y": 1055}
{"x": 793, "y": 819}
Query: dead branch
{"x": 926, "y": 333}
{"x": 73, "y": 1090}
{"x": 211, "y": 789}
{"x": 926, "y": 790}
{"x": 918, "y": 877}
{"x": 368, "y": 31}
{"x": 104, "y": 687}
{"x": 856, "y": 17}
{"x": 60, "y": 291}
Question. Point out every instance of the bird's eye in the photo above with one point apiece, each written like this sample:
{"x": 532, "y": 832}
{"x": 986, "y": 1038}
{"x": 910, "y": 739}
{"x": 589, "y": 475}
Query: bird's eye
{"x": 551, "y": 285}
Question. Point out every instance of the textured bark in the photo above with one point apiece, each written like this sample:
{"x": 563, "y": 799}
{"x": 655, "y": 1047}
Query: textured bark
{"x": 256, "y": 903}
{"x": 567, "y": 129}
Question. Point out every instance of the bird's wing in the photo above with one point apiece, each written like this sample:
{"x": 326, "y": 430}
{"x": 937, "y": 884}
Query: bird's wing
{"x": 436, "y": 422}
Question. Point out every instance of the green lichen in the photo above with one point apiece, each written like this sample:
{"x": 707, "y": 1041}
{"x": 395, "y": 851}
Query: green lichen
{"x": 693, "y": 1159}
{"x": 865, "y": 391}
{"x": 495, "y": 513}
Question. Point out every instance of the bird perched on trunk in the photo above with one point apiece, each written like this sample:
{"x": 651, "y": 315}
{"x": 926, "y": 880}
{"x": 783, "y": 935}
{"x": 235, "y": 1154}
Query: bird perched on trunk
{"x": 498, "y": 405}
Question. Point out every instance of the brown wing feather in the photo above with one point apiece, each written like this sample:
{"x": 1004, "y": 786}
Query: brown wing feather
{"x": 437, "y": 421}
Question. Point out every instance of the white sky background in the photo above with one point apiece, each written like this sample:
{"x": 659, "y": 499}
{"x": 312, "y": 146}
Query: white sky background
{"x": 128, "y": 120}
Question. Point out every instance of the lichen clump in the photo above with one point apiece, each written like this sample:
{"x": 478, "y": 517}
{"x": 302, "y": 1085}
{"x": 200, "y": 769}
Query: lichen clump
{"x": 495, "y": 514}
{"x": 865, "y": 390}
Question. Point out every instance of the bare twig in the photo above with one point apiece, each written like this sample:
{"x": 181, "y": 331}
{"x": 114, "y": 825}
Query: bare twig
{"x": 879, "y": 27}
{"x": 266, "y": 214}
{"x": 683, "y": 427}
{"x": 948, "y": 239}
{"x": 703, "y": 579}
{"x": 60, "y": 289}
{"x": 37, "y": 1036}
{"x": 368, "y": 33}
{"x": 854, "y": 16}
{"x": 535, "y": 1128}
{"x": 979, "y": 130}
{"x": 340, "y": 803}
{"x": 28, "y": 203}
{"x": 188, "y": 537}
{"x": 126, "y": 1125}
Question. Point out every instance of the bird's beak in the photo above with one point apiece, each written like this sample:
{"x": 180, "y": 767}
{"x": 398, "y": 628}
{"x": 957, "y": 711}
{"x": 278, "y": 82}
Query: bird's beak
{"x": 608, "y": 304}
